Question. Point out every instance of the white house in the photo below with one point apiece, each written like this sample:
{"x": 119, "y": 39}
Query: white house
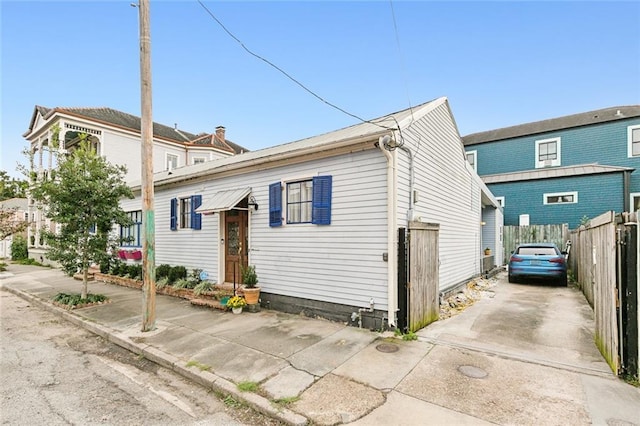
{"x": 319, "y": 218}
{"x": 116, "y": 136}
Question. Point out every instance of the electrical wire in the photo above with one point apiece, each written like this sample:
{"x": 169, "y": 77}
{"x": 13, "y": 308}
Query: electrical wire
{"x": 271, "y": 64}
{"x": 402, "y": 63}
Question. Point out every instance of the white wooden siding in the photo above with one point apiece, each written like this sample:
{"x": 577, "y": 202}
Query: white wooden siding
{"x": 340, "y": 263}
{"x": 447, "y": 193}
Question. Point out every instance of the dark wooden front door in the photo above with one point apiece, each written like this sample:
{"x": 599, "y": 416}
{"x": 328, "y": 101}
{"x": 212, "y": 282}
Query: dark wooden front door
{"x": 236, "y": 237}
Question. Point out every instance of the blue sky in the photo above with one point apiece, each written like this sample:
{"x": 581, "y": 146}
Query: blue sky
{"x": 499, "y": 63}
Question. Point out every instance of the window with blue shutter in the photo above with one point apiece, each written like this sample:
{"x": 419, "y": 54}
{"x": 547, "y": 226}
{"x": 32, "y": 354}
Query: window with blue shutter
{"x": 321, "y": 214}
{"x": 275, "y": 204}
{"x": 196, "y": 218}
{"x": 174, "y": 214}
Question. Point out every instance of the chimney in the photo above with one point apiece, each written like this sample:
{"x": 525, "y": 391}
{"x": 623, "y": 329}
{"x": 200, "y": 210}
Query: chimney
{"x": 220, "y": 135}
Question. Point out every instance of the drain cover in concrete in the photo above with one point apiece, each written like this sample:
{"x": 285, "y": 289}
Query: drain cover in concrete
{"x": 473, "y": 372}
{"x": 387, "y": 347}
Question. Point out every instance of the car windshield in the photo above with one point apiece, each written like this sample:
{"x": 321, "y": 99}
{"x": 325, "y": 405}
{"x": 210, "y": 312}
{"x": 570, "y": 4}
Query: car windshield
{"x": 537, "y": 251}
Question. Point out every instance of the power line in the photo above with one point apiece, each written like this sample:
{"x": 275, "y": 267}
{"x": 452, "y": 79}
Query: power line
{"x": 286, "y": 74}
{"x": 402, "y": 63}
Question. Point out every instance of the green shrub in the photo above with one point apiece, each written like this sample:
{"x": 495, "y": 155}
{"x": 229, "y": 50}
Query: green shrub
{"x": 162, "y": 282}
{"x": 76, "y": 299}
{"x": 3, "y": 266}
{"x": 181, "y": 283}
{"x": 176, "y": 273}
{"x": 134, "y": 271}
{"x": 162, "y": 271}
{"x": 19, "y": 250}
{"x": 202, "y": 286}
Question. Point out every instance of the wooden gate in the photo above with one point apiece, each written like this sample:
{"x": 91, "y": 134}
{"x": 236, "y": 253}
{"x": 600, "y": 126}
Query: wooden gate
{"x": 424, "y": 283}
{"x": 514, "y": 235}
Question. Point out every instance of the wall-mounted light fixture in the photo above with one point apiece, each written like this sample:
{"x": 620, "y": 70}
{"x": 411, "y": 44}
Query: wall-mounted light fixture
{"x": 252, "y": 202}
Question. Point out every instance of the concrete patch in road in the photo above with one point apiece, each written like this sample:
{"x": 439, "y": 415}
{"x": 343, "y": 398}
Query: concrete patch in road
{"x": 288, "y": 383}
{"x": 389, "y": 367}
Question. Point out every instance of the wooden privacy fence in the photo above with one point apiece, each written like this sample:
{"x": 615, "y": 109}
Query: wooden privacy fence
{"x": 514, "y": 235}
{"x": 424, "y": 283}
{"x": 593, "y": 264}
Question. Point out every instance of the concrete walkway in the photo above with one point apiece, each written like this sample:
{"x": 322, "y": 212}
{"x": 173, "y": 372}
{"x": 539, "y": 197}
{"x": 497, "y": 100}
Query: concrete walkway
{"x": 464, "y": 370}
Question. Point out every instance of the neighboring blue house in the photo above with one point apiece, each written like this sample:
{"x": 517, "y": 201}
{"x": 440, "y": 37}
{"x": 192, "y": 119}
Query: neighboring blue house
{"x": 563, "y": 169}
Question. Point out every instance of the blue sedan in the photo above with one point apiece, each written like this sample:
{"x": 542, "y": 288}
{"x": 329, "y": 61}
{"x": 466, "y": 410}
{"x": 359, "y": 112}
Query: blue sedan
{"x": 538, "y": 260}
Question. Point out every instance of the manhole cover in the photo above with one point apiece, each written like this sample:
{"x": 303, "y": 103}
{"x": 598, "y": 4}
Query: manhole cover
{"x": 473, "y": 372}
{"x": 387, "y": 347}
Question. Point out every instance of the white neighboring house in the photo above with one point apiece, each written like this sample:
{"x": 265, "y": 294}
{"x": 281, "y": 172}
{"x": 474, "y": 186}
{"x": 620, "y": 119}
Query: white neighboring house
{"x": 19, "y": 207}
{"x": 319, "y": 218}
{"x": 116, "y": 136}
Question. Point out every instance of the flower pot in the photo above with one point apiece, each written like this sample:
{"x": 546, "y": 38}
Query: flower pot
{"x": 252, "y": 295}
{"x": 236, "y": 311}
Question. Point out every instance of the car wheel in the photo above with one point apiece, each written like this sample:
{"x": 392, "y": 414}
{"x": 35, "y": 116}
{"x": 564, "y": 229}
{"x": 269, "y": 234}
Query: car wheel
{"x": 563, "y": 281}
{"x": 512, "y": 279}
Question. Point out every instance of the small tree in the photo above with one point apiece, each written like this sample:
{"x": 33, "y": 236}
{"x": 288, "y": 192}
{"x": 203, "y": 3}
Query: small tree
{"x": 82, "y": 196}
{"x": 10, "y": 224}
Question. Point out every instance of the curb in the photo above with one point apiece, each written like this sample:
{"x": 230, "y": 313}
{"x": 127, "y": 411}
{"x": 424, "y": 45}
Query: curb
{"x": 203, "y": 378}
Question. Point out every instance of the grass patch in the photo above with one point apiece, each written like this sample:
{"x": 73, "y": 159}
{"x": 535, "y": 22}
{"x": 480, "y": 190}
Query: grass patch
{"x": 247, "y": 386}
{"x": 406, "y": 336}
{"x": 283, "y": 402}
{"x": 200, "y": 366}
{"x": 632, "y": 380}
{"x": 29, "y": 261}
{"x": 229, "y": 401}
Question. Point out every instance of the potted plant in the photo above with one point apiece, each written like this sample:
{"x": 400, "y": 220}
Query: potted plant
{"x": 250, "y": 280}
{"x": 236, "y": 303}
{"x": 487, "y": 251}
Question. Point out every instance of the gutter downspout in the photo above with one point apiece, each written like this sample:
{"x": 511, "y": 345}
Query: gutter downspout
{"x": 392, "y": 295}
{"x": 627, "y": 193}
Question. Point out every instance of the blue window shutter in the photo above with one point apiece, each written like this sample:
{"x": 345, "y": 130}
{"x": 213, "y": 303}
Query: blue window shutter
{"x": 321, "y": 214}
{"x": 275, "y": 204}
{"x": 174, "y": 214}
{"x": 196, "y": 218}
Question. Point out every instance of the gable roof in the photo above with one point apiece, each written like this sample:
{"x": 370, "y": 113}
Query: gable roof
{"x": 124, "y": 120}
{"x": 347, "y": 136}
{"x": 554, "y": 172}
{"x": 553, "y": 124}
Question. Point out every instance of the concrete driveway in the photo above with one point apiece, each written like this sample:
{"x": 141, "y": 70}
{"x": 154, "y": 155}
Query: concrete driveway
{"x": 523, "y": 355}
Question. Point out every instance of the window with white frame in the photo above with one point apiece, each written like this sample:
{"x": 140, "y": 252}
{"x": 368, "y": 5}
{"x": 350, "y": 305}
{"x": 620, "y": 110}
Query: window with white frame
{"x": 561, "y": 198}
{"x": 472, "y": 157}
{"x": 548, "y": 153}
{"x": 299, "y": 199}
{"x": 635, "y": 201}
{"x": 171, "y": 162}
{"x": 130, "y": 235}
{"x": 305, "y": 201}
{"x": 633, "y": 141}
{"x": 184, "y": 212}
{"x": 198, "y": 160}
{"x": 500, "y": 201}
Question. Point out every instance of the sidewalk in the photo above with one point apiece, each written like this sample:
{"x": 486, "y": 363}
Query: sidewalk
{"x": 321, "y": 372}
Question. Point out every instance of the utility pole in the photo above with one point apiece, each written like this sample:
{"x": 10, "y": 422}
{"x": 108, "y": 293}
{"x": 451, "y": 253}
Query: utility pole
{"x": 148, "y": 214}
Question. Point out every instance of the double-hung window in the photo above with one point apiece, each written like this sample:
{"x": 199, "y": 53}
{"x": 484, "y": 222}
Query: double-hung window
{"x": 548, "y": 153}
{"x": 131, "y": 235}
{"x": 171, "y": 161}
{"x": 305, "y": 201}
{"x": 183, "y": 212}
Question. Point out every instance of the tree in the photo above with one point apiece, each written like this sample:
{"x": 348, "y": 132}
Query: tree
{"x": 10, "y": 224}
{"x": 11, "y": 187}
{"x": 82, "y": 196}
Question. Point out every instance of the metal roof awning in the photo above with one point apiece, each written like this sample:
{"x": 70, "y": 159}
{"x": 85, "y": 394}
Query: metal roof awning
{"x": 223, "y": 200}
